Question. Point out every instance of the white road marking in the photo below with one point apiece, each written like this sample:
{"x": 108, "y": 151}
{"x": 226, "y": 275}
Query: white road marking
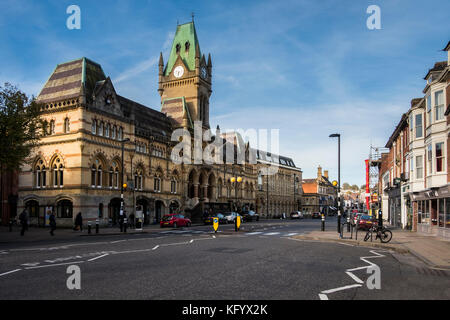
{"x": 323, "y": 296}
{"x": 55, "y": 265}
{"x": 290, "y": 234}
{"x": 98, "y": 257}
{"x": 118, "y": 241}
{"x": 4, "y": 274}
{"x": 252, "y": 233}
{"x": 271, "y": 233}
{"x": 155, "y": 247}
{"x": 191, "y": 241}
{"x": 341, "y": 288}
{"x": 354, "y": 277}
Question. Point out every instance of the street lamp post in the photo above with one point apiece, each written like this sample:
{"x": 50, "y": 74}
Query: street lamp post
{"x": 235, "y": 181}
{"x": 122, "y": 186}
{"x": 334, "y": 135}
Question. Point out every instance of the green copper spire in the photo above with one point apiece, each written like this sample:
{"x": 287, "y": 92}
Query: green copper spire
{"x": 185, "y": 43}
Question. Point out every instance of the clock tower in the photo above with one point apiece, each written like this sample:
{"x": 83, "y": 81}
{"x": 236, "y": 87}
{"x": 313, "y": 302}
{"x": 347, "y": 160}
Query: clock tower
{"x": 185, "y": 81}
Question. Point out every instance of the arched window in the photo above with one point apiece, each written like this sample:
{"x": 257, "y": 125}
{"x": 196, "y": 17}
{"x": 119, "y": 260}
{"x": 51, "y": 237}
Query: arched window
{"x": 66, "y": 125}
{"x": 52, "y": 127}
{"x": 111, "y": 177}
{"x": 99, "y": 176}
{"x": 64, "y": 209}
{"x": 100, "y": 128}
{"x": 120, "y": 134}
{"x": 157, "y": 183}
{"x": 96, "y": 174}
{"x": 186, "y": 46}
{"x": 114, "y": 175}
{"x": 94, "y": 126}
{"x": 40, "y": 174}
{"x": 173, "y": 186}
{"x": 219, "y": 188}
{"x": 58, "y": 173}
{"x": 177, "y": 48}
{"x": 107, "y": 130}
{"x": 113, "y": 133}
{"x": 138, "y": 179}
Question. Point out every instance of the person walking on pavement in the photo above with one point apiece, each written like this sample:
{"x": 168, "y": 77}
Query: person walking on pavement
{"x": 23, "y": 218}
{"x": 79, "y": 222}
{"x": 132, "y": 220}
{"x": 121, "y": 218}
{"x": 52, "y": 220}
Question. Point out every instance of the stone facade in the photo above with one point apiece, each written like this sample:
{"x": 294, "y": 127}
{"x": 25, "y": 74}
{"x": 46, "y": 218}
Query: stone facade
{"x": 319, "y": 194}
{"x": 95, "y": 136}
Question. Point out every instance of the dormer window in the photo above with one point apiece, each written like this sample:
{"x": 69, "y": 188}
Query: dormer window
{"x": 186, "y": 46}
{"x": 178, "y": 47}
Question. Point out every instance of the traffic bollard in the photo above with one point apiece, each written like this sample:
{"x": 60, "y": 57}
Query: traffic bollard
{"x": 348, "y": 223}
{"x": 96, "y": 226}
{"x": 323, "y": 222}
{"x": 89, "y": 227}
{"x": 10, "y": 225}
{"x": 125, "y": 222}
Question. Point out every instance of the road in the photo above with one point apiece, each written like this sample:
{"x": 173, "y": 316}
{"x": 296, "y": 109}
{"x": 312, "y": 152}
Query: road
{"x": 261, "y": 261}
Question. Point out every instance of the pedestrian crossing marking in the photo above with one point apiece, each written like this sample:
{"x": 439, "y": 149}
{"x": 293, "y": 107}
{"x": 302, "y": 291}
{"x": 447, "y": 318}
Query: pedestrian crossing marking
{"x": 271, "y": 233}
{"x": 252, "y": 233}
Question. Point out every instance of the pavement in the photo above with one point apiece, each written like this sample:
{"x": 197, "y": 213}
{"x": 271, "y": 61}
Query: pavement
{"x": 433, "y": 251}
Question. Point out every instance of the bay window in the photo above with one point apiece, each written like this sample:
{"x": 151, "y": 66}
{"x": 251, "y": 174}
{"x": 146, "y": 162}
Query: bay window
{"x": 440, "y": 158}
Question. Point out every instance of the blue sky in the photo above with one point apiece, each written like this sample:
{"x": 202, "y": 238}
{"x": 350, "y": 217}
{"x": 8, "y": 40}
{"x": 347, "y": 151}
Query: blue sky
{"x": 308, "y": 68}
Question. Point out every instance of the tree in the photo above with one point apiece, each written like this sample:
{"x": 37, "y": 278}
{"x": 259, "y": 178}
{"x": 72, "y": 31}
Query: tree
{"x": 354, "y": 187}
{"x": 363, "y": 187}
{"x": 20, "y": 127}
{"x": 345, "y": 186}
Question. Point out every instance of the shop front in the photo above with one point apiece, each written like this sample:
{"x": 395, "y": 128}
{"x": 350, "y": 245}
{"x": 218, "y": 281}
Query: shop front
{"x": 432, "y": 211}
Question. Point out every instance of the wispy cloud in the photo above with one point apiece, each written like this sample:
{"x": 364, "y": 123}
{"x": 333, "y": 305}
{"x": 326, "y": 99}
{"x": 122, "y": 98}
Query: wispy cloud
{"x": 144, "y": 65}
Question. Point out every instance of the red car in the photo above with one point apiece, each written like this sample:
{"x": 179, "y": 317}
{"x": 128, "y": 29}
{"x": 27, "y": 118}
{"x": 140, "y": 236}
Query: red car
{"x": 174, "y": 220}
{"x": 365, "y": 222}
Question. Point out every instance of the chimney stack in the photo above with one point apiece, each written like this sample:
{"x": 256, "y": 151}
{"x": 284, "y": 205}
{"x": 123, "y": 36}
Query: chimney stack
{"x": 319, "y": 172}
{"x": 325, "y": 173}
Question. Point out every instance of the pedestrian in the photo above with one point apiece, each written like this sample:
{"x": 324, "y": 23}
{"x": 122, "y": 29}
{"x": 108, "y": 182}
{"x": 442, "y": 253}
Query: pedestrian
{"x": 121, "y": 218}
{"x": 132, "y": 220}
{"x": 23, "y": 218}
{"x": 79, "y": 222}
{"x": 52, "y": 223}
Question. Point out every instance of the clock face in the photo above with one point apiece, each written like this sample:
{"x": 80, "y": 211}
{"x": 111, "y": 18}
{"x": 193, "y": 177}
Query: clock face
{"x": 204, "y": 73}
{"x": 178, "y": 72}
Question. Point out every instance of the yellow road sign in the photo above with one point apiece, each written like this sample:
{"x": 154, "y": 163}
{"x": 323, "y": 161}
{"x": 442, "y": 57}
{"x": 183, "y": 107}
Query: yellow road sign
{"x": 238, "y": 222}
{"x": 215, "y": 224}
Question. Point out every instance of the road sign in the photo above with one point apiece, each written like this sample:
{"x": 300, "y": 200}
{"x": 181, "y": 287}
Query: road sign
{"x": 215, "y": 224}
{"x": 238, "y": 222}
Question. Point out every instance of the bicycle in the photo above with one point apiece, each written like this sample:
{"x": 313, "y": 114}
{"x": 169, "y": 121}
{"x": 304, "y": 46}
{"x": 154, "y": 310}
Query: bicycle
{"x": 382, "y": 233}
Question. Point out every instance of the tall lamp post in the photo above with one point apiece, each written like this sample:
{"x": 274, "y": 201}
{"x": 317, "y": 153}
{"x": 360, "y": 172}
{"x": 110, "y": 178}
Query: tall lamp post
{"x": 122, "y": 184}
{"x": 235, "y": 181}
{"x": 337, "y": 135}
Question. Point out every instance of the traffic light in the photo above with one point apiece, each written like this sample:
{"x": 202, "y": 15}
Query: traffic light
{"x": 124, "y": 186}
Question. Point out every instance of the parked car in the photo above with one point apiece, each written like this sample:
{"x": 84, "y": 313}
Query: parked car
{"x": 316, "y": 215}
{"x": 365, "y": 222}
{"x": 174, "y": 220}
{"x": 296, "y": 215}
{"x": 208, "y": 219}
{"x": 231, "y": 217}
{"x": 355, "y": 216}
{"x": 222, "y": 218}
{"x": 251, "y": 216}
